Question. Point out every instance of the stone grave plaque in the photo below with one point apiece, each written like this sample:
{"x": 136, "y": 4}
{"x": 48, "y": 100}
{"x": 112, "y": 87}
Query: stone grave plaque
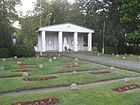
{"x": 15, "y": 56}
{"x": 18, "y": 62}
{"x": 124, "y": 57}
{"x": 73, "y": 86}
{"x": 117, "y": 55}
{"x": 25, "y": 74}
{"x": 41, "y": 66}
{"x": 3, "y": 59}
{"x": 54, "y": 57}
{"x": 112, "y": 67}
{"x": 76, "y": 59}
{"x": 50, "y": 60}
{"x": 1, "y": 68}
{"x": 75, "y": 63}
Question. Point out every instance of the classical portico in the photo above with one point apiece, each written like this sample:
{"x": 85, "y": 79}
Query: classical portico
{"x": 64, "y": 37}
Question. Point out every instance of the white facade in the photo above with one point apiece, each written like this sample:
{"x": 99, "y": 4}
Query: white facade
{"x": 64, "y": 37}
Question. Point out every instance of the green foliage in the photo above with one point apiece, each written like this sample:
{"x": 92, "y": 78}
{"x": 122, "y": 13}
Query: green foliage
{"x": 24, "y": 51}
{"x": 136, "y": 50}
{"x": 120, "y": 17}
{"x": 7, "y": 17}
{"x": 110, "y": 50}
{"x": 134, "y": 37}
{"x": 94, "y": 48}
{"x": 4, "y": 53}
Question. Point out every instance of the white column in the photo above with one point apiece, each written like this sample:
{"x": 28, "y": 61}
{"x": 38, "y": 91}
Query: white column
{"x": 39, "y": 42}
{"x": 60, "y": 41}
{"x": 75, "y": 41}
{"x": 43, "y": 38}
{"x": 89, "y": 41}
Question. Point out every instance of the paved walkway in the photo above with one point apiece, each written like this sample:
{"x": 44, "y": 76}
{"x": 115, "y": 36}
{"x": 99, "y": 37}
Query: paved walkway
{"x": 109, "y": 60}
{"x": 65, "y": 87}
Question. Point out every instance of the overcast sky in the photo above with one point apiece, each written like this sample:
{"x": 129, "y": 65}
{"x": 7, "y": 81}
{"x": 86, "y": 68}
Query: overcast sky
{"x": 26, "y": 6}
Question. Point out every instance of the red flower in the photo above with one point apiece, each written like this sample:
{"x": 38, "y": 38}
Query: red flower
{"x": 31, "y": 102}
{"x": 26, "y": 64}
{"x": 21, "y": 71}
{"x": 23, "y": 103}
{"x": 66, "y": 61}
{"x": 72, "y": 66}
{"x": 39, "y": 101}
{"x": 53, "y": 100}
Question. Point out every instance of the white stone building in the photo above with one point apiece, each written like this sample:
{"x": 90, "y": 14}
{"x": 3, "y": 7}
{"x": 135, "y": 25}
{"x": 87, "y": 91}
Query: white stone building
{"x": 64, "y": 37}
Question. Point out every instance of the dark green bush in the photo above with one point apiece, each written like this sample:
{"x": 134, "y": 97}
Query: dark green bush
{"x": 136, "y": 50}
{"x": 110, "y": 50}
{"x": 4, "y": 53}
{"x": 122, "y": 49}
{"x": 24, "y": 51}
{"x": 94, "y": 48}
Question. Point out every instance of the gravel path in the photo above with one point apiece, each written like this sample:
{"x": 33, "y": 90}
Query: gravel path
{"x": 109, "y": 60}
{"x": 66, "y": 87}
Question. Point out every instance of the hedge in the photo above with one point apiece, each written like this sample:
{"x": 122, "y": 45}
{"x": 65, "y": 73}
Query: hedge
{"x": 136, "y": 50}
{"x": 4, "y": 53}
{"x": 24, "y": 51}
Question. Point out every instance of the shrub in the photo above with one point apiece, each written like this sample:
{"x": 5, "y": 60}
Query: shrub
{"x": 122, "y": 49}
{"x": 110, "y": 50}
{"x": 136, "y": 50}
{"x": 94, "y": 48}
{"x": 24, "y": 51}
{"x": 4, "y": 53}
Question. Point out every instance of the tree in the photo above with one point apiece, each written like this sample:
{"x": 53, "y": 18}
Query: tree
{"x": 7, "y": 17}
{"x": 131, "y": 20}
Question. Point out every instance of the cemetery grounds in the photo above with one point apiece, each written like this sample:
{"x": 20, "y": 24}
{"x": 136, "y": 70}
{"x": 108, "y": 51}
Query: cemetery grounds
{"x": 21, "y": 74}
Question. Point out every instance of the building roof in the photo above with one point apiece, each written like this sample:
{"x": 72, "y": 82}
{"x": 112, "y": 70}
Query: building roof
{"x": 66, "y": 27}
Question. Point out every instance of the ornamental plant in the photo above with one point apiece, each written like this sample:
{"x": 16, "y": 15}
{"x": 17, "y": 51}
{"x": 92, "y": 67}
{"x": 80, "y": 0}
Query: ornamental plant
{"x": 47, "y": 101}
{"x": 125, "y": 88}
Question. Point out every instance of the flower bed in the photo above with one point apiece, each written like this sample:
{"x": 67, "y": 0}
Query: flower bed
{"x": 15, "y": 60}
{"x": 66, "y": 61}
{"x": 105, "y": 72}
{"x": 50, "y": 101}
{"x": 21, "y": 71}
{"x": 38, "y": 79}
{"x": 125, "y": 88}
{"x": 26, "y": 64}
{"x": 71, "y": 66}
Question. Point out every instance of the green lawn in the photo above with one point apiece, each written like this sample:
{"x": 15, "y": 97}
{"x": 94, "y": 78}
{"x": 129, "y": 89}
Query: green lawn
{"x": 83, "y": 96}
{"x": 128, "y": 57}
{"x": 92, "y": 95}
{"x": 17, "y": 83}
{"x": 53, "y": 67}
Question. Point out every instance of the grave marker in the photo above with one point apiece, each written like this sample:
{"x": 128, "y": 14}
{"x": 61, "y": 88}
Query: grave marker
{"x": 54, "y": 57}
{"x": 1, "y": 68}
{"x": 15, "y": 56}
{"x": 41, "y": 66}
{"x": 73, "y": 86}
{"x": 117, "y": 55}
{"x": 75, "y": 63}
{"x": 124, "y": 57}
{"x": 76, "y": 59}
{"x": 3, "y": 59}
{"x": 50, "y": 60}
{"x": 25, "y": 74}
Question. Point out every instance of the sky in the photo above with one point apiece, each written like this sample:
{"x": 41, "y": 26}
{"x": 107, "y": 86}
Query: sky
{"x": 29, "y": 5}
{"x": 26, "y": 6}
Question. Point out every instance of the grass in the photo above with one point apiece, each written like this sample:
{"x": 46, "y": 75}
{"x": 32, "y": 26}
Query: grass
{"x": 17, "y": 83}
{"x": 92, "y": 95}
{"x": 53, "y": 67}
{"x": 110, "y": 64}
{"x": 128, "y": 57}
